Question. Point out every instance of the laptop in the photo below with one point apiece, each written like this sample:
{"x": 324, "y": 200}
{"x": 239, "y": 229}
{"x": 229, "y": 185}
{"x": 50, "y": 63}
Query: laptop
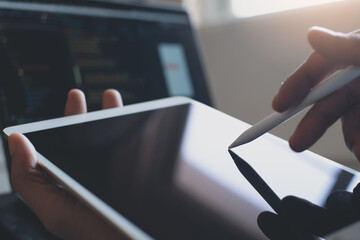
{"x": 146, "y": 52}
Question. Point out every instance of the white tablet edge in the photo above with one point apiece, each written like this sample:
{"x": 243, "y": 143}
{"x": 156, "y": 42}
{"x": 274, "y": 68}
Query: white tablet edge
{"x": 125, "y": 227}
{"x": 96, "y": 115}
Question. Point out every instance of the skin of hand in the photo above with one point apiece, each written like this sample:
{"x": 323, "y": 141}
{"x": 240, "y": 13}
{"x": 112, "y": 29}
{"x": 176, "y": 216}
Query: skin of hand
{"x": 341, "y": 209}
{"x": 332, "y": 51}
{"x": 60, "y": 212}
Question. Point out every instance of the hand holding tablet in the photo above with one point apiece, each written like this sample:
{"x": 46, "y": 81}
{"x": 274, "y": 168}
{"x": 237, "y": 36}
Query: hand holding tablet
{"x": 60, "y": 212}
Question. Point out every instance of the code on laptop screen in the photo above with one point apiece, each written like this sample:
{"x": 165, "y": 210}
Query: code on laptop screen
{"x": 47, "y": 49}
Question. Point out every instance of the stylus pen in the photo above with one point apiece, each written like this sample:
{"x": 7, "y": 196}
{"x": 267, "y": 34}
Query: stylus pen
{"x": 335, "y": 82}
{"x": 265, "y": 191}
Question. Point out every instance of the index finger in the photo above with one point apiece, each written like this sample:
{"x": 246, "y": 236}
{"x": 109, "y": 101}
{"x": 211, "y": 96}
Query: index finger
{"x": 299, "y": 84}
{"x": 338, "y": 47}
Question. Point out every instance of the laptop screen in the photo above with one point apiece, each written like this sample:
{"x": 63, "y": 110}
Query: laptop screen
{"x": 48, "y": 48}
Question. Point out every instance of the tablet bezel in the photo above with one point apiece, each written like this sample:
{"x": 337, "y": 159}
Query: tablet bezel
{"x": 123, "y": 225}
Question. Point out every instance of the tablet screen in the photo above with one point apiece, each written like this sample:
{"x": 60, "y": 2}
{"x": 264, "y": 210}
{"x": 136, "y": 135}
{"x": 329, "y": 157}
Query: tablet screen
{"x": 169, "y": 171}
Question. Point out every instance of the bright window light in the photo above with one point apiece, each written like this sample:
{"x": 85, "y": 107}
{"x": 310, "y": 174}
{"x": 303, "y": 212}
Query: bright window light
{"x": 246, "y": 8}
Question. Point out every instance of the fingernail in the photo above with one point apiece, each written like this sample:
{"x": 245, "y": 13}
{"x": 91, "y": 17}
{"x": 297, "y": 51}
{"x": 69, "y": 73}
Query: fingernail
{"x": 322, "y": 29}
{"x": 326, "y": 31}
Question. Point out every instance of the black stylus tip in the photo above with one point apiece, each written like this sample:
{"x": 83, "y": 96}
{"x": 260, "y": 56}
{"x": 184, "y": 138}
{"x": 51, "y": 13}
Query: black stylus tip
{"x": 233, "y": 155}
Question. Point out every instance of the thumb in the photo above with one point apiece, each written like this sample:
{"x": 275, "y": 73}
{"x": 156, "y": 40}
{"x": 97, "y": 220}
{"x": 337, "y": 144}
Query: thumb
{"x": 23, "y": 159}
{"x": 340, "y": 48}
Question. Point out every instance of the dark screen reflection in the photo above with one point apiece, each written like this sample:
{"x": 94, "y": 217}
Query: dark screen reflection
{"x": 169, "y": 172}
{"x": 128, "y": 162}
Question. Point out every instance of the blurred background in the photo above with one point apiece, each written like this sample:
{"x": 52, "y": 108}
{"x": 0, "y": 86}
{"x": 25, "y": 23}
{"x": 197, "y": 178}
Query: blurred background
{"x": 250, "y": 47}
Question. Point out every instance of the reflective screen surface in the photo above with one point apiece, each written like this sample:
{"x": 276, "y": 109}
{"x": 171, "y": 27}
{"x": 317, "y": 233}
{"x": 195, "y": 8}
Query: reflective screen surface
{"x": 169, "y": 171}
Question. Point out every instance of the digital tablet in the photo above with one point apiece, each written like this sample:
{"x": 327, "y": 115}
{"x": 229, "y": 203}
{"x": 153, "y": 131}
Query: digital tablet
{"x": 162, "y": 170}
